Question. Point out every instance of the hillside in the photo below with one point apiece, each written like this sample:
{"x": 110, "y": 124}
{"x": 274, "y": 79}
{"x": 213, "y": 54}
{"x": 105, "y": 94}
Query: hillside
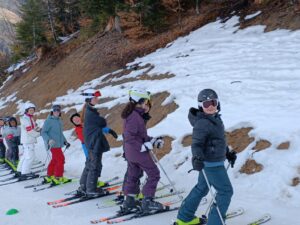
{"x": 9, "y": 16}
{"x": 255, "y": 72}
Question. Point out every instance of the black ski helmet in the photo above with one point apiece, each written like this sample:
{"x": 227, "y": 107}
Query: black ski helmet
{"x": 208, "y": 94}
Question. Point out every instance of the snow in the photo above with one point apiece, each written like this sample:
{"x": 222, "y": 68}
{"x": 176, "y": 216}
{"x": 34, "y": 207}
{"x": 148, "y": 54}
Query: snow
{"x": 256, "y": 75}
{"x": 251, "y": 16}
{"x": 68, "y": 38}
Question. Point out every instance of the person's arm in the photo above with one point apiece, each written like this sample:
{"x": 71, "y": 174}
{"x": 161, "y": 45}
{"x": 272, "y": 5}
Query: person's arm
{"x": 44, "y": 133}
{"x": 26, "y": 123}
{"x": 199, "y": 138}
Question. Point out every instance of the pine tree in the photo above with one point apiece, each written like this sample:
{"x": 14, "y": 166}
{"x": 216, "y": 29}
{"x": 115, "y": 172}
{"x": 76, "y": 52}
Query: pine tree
{"x": 152, "y": 14}
{"x": 31, "y": 30}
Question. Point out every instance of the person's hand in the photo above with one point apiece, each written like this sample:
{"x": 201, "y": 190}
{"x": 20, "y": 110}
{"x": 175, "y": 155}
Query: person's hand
{"x": 158, "y": 142}
{"x": 113, "y": 133}
{"x": 231, "y": 157}
{"x": 147, "y": 146}
{"x": 197, "y": 163}
{"x": 67, "y": 144}
{"x": 51, "y": 143}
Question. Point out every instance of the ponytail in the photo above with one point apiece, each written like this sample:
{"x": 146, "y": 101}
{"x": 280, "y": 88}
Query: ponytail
{"x": 128, "y": 109}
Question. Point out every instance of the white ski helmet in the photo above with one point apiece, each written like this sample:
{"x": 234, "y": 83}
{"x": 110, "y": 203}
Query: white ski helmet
{"x": 138, "y": 96}
{"x": 29, "y": 105}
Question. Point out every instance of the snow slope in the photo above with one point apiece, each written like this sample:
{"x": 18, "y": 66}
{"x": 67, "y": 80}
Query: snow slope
{"x": 256, "y": 75}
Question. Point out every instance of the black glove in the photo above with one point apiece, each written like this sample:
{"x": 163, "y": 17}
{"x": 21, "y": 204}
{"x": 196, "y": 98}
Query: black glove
{"x": 113, "y": 133}
{"x": 231, "y": 157}
{"x": 197, "y": 163}
{"x": 67, "y": 144}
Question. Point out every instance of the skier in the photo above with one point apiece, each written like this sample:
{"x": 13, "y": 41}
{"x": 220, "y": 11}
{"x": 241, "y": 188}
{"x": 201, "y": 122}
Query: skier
{"x": 76, "y": 121}
{"x": 54, "y": 139}
{"x": 12, "y": 135}
{"x": 96, "y": 144}
{"x": 29, "y": 133}
{"x": 209, "y": 150}
{"x": 137, "y": 145}
{"x": 2, "y": 146}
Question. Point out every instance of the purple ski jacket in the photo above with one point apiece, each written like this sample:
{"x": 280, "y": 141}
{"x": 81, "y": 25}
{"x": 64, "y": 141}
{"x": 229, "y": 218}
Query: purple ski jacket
{"x": 135, "y": 134}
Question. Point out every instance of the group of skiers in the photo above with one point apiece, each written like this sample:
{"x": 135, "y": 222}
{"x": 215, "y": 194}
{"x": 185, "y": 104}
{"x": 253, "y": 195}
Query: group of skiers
{"x": 209, "y": 151}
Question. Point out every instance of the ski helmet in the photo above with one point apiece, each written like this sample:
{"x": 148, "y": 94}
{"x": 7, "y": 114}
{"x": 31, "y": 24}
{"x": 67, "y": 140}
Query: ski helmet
{"x": 139, "y": 96}
{"x": 207, "y": 94}
{"x": 56, "y": 108}
{"x": 28, "y": 106}
{"x": 90, "y": 93}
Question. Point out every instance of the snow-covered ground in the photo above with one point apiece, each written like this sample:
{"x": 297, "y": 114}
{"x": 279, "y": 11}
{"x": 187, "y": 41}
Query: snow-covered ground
{"x": 256, "y": 75}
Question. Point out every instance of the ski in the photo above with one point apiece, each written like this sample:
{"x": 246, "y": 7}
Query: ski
{"x": 82, "y": 199}
{"x": 265, "y": 218}
{"x": 52, "y": 185}
{"x": 107, "y": 185}
{"x": 140, "y": 215}
{"x": 4, "y": 175}
{"x": 18, "y": 180}
{"x": 121, "y": 213}
{"x": 76, "y": 196}
{"x": 117, "y": 202}
{"x": 235, "y": 213}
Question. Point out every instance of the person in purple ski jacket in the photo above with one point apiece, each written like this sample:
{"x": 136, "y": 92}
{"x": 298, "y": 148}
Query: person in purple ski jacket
{"x": 137, "y": 145}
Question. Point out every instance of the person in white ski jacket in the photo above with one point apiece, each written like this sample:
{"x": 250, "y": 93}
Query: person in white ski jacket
{"x": 29, "y": 134}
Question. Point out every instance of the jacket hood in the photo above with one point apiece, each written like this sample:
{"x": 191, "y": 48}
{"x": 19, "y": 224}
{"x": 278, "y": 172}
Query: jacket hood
{"x": 196, "y": 114}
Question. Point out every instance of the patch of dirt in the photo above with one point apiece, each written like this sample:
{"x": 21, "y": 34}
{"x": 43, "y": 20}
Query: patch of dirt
{"x": 261, "y": 145}
{"x": 284, "y": 146}
{"x": 295, "y": 181}
{"x": 251, "y": 167}
{"x": 239, "y": 139}
{"x": 158, "y": 113}
{"x": 275, "y": 14}
{"x": 187, "y": 141}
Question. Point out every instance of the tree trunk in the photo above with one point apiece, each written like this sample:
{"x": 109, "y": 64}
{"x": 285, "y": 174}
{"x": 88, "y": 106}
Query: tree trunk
{"x": 51, "y": 22}
{"x": 113, "y": 24}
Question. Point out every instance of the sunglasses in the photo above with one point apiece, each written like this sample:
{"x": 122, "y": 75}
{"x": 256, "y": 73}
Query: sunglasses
{"x": 56, "y": 110}
{"x": 208, "y": 103}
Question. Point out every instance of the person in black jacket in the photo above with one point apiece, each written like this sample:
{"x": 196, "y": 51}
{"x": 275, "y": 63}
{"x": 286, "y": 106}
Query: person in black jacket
{"x": 95, "y": 142}
{"x": 209, "y": 151}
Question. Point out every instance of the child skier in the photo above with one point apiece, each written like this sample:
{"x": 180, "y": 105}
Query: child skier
{"x": 29, "y": 134}
{"x": 76, "y": 121}
{"x": 209, "y": 150}
{"x": 52, "y": 133}
{"x": 96, "y": 144}
{"x": 12, "y": 134}
{"x": 2, "y": 146}
{"x": 137, "y": 145}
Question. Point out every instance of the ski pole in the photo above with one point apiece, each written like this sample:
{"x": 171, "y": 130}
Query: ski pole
{"x": 211, "y": 202}
{"x": 213, "y": 197}
{"x": 45, "y": 164}
{"x": 171, "y": 183}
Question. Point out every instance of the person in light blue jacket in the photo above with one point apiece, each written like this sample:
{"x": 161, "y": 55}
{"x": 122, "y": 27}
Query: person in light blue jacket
{"x": 52, "y": 133}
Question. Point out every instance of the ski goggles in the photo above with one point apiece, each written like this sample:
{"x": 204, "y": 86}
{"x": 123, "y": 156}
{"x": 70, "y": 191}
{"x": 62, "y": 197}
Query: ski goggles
{"x": 208, "y": 103}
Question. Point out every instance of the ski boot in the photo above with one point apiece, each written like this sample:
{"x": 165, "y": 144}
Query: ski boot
{"x": 28, "y": 176}
{"x": 48, "y": 179}
{"x": 94, "y": 194}
{"x": 60, "y": 180}
{"x": 195, "y": 221}
{"x": 80, "y": 192}
{"x": 130, "y": 204}
{"x": 101, "y": 184}
{"x": 149, "y": 206}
